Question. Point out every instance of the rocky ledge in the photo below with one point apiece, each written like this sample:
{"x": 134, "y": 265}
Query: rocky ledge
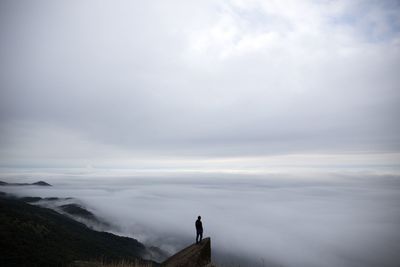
{"x": 196, "y": 255}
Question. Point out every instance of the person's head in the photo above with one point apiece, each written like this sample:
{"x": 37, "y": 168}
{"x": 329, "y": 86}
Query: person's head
{"x": 199, "y": 218}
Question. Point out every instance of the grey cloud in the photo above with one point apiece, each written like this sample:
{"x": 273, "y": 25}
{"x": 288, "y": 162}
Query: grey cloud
{"x": 197, "y": 79}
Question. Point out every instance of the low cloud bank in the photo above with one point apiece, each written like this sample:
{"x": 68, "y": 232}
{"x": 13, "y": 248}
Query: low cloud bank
{"x": 290, "y": 220}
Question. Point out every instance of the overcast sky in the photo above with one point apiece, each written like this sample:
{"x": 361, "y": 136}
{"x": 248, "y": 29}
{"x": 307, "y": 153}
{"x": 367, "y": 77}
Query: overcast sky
{"x": 118, "y": 83}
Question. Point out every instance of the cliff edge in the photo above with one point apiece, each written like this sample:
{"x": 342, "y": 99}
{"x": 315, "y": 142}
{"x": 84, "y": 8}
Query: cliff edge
{"x": 196, "y": 255}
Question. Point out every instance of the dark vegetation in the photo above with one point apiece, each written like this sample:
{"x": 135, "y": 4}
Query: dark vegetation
{"x": 74, "y": 209}
{"x": 31, "y": 199}
{"x": 37, "y": 236}
{"x": 36, "y": 199}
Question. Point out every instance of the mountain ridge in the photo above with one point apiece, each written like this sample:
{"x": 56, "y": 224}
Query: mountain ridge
{"x": 39, "y": 183}
{"x": 36, "y": 236}
{"x": 33, "y": 235}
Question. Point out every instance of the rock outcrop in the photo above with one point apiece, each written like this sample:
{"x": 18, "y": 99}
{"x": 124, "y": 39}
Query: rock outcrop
{"x": 196, "y": 255}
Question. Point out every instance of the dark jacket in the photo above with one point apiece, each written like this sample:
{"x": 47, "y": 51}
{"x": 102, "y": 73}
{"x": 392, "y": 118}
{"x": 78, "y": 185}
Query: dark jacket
{"x": 199, "y": 226}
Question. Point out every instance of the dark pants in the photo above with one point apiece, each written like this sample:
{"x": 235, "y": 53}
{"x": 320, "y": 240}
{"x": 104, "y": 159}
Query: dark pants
{"x": 199, "y": 234}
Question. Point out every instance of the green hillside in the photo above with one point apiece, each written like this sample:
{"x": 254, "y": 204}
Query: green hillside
{"x": 36, "y": 236}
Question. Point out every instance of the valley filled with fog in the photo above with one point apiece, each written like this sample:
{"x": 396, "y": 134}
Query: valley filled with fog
{"x": 320, "y": 218}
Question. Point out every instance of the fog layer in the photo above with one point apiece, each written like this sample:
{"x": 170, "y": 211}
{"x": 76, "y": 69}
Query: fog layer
{"x": 314, "y": 219}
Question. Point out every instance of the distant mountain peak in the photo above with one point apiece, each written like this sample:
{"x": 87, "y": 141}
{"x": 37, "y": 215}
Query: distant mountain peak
{"x": 42, "y": 183}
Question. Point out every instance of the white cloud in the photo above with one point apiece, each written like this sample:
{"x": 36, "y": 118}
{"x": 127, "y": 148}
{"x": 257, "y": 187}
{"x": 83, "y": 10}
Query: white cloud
{"x": 307, "y": 219}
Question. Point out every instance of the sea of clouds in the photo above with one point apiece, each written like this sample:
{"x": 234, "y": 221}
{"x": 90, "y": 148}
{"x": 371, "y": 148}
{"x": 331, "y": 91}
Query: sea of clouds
{"x": 308, "y": 219}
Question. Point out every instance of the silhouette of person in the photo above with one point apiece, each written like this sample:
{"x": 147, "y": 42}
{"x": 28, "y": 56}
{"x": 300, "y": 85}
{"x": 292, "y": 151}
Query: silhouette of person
{"x": 199, "y": 230}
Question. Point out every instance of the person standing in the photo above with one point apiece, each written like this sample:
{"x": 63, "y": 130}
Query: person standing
{"x": 199, "y": 230}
